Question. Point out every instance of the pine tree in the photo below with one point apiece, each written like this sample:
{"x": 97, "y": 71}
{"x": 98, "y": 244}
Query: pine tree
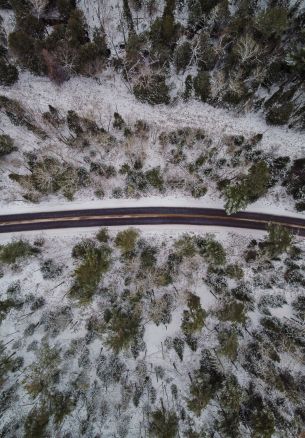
{"x": 163, "y": 424}
{"x": 202, "y": 86}
{"x": 279, "y": 240}
{"x": 6, "y": 145}
{"x": 182, "y": 56}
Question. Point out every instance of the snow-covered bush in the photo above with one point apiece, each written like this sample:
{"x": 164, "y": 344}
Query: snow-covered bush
{"x": 152, "y": 88}
{"x": 8, "y": 73}
{"x": 6, "y": 145}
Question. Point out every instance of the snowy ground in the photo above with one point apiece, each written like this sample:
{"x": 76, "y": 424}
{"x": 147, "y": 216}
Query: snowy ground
{"x": 106, "y": 408}
{"x": 98, "y": 100}
{"x": 64, "y": 326}
{"x": 153, "y": 201}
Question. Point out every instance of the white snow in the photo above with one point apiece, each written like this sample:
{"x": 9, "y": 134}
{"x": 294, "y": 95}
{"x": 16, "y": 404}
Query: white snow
{"x": 153, "y": 201}
{"x": 101, "y": 97}
{"x": 98, "y": 99}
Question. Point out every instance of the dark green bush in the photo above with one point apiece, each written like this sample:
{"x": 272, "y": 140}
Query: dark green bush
{"x": 31, "y": 25}
{"x": 15, "y": 250}
{"x": 36, "y": 422}
{"x": 28, "y": 51}
{"x": 154, "y": 178}
{"x": 298, "y": 306}
{"x": 77, "y": 29}
{"x": 8, "y": 363}
{"x": 206, "y": 56}
{"x": 65, "y": 7}
{"x": 49, "y": 175}
{"x": 5, "y": 4}
{"x": 228, "y": 341}
{"x": 6, "y": 145}
{"x": 164, "y": 30}
{"x": 152, "y": 89}
{"x": 235, "y": 97}
{"x": 263, "y": 422}
{"x": 295, "y": 180}
{"x": 20, "y": 6}
{"x": 300, "y": 206}
{"x": 185, "y": 246}
{"x": 74, "y": 122}
{"x": 19, "y": 116}
{"x": 199, "y": 8}
{"x": 234, "y": 311}
{"x": 202, "y": 86}
{"x": 235, "y": 271}
{"x": 278, "y": 169}
{"x": 50, "y": 269}
{"x": 163, "y": 424}
{"x": 102, "y": 235}
{"x": 236, "y": 197}
{"x": 279, "y": 115}
{"x": 8, "y": 73}
{"x": 14, "y": 288}
{"x": 148, "y": 257}
{"x": 123, "y": 328}
{"x": 92, "y": 55}
{"x": 257, "y": 180}
{"x": 250, "y": 187}
{"x": 134, "y": 48}
{"x": 182, "y": 56}
{"x": 198, "y": 191}
{"x": 279, "y": 240}
{"x": 95, "y": 262}
{"x": 207, "y": 380}
{"x": 193, "y": 318}
{"x": 188, "y": 87}
{"x": 297, "y": 61}
{"x": 128, "y": 16}
{"x": 213, "y": 252}
{"x": 273, "y": 22}
{"x": 126, "y": 240}
{"x": 118, "y": 122}
{"x": 88, "y": 55}
{"x": 60, "y": 405}
{"x": 5, "y": 307}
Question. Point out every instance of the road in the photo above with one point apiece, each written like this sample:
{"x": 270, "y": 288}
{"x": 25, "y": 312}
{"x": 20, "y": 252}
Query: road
{"x": 144, "y": 216}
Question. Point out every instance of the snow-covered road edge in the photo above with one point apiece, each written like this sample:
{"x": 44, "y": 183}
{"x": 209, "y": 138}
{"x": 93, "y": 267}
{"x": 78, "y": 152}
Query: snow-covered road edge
{"x": 89, "y": 232}
{"x": 153, "y": 201}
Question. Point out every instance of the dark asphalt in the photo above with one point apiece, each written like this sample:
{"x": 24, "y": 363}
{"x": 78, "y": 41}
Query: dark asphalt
{"x": 144, "y": 216}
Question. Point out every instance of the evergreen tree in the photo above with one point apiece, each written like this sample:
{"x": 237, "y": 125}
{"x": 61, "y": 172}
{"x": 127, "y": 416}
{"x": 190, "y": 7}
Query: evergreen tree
{"x": 128, "y": 16}
{"x": 163, "y": 424}
{"x": 248, "y": 189}
{"x": 6, "y": 145}
{"x": 202, "y": 86}
{"x": 28, "y": 51}
{"x": 228, "y": 343}
{"x": 263, "y": 423}
{"x": 257, "y": 180}
{"x": 178, "y": 345}
{"x": 8, "y": 73}
{"x": 126, "y": 240}
{"x": 188, "y": 88}
{"x": 77, "y": 29}
{"x": 236, "y": 198}
{"x": 279, "y": 240}
{"x": 272, "y": 22}
{"x": 182, "y": 56}
{"x": 193, "y": 318}
{"x": 152, "y": 89}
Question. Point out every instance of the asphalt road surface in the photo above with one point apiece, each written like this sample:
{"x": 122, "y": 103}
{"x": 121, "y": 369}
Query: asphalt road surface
{"x": 144, "y": 216}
